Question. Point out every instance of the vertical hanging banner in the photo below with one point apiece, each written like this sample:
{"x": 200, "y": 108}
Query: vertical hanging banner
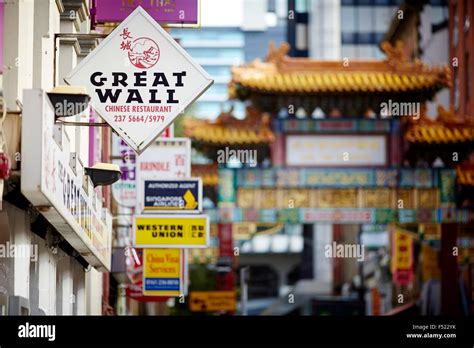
{"x": 226, "y": 242}
{"x": 164, "y": 272}
{"x": 402, "y": 257}
{"x": 124, "y": 191}
{"x": 140, "y": 79}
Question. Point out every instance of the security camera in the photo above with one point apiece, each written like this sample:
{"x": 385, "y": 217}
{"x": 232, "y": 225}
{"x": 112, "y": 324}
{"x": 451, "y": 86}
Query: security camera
{"x": 102, "y": 174}
{"x": 68, "y": 100}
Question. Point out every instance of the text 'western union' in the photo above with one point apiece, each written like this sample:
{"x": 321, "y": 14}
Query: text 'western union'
{"x": 179, "y": 231}
{"x": 171, "y": 230}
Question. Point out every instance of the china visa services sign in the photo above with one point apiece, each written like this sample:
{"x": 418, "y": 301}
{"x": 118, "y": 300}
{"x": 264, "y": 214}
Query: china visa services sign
{"x": 140, "y": 79}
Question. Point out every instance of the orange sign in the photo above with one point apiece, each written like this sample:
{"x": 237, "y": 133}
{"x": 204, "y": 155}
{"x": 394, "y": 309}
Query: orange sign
{"x": 212, "y": 301}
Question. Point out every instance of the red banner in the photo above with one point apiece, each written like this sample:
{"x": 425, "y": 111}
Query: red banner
{"x": 134, "y": 291}
{"x": 226, "y": 244}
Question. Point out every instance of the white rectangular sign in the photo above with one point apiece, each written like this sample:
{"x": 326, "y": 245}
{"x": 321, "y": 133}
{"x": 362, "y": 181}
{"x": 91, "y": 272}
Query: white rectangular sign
{"x": 165, "y": 159}
{"x": 63, "y": 194}
{"x": 140, "y": 79}
{"x": 336, "y": 150}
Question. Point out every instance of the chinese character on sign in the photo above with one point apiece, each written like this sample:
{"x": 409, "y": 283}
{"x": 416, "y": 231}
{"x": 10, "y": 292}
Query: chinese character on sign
{"x": 126, "y": 34}
{"x": 180, "y": 174}
{"x": 180, "y": 160}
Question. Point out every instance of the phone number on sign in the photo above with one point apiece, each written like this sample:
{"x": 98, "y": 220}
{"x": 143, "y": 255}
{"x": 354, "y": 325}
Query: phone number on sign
{"x": 140, "y": 118}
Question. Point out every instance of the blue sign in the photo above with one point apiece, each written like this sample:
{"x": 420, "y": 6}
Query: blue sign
{"x": 183, "y": 195}
{"x": 162, "y": 284}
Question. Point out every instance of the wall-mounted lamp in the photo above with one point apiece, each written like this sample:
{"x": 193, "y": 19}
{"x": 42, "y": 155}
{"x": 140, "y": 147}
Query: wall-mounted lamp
{"x": 103, "y": 174}
{"x": 68, "y": 100}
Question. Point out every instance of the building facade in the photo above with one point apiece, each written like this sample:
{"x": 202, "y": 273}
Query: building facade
{"x": 351, "y": 29}
{"x": 50, "y": 209}
{"x": 230, "y": 39}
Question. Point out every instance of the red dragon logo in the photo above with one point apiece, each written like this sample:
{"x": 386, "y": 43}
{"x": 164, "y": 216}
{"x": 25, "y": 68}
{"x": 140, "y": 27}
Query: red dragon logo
{"x": 143, "y": 52}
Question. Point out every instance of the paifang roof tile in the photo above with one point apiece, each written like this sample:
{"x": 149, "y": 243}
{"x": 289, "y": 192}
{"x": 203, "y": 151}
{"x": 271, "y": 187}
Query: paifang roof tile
{"x": 284, "y": 75}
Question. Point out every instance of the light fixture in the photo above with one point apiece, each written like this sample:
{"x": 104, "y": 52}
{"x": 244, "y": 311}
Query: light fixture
{"x": 102, "y": 174}
{"x": 68, "y": 100}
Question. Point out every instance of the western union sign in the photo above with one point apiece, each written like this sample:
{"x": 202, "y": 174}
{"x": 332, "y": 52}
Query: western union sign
{"x": 171, "y": 231}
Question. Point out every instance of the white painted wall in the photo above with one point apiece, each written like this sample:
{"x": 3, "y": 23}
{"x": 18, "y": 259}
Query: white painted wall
{"x": 55, "y": 284}
{"x": 94, "y": 292}
{"x": 19, "y": 224}
{"x": 79, "y": 290}
{"x": 18, "y": 50}
{"x": 47, "y": 279}
{"x": 322, "y": 265}
{"x": 218, "y": 13}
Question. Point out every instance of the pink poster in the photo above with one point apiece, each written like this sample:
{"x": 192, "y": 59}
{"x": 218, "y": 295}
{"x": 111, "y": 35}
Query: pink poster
{"x": 2, "y": 23}
{"x": 163, "y": 11}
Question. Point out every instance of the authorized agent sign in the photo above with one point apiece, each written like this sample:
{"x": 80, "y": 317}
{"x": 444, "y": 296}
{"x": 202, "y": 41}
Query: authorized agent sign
{"x": 173, "y": 196}
{"x": 171, "y": 231}
{"x": 140, "y": 79}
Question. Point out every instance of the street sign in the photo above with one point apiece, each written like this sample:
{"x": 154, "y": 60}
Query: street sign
{"x": 212, "y": 301}
{"x": 140, "y": 79}
{"x": 171, "y": 231}
{"x": 163, "y": 272}
{"x": 172, "y": 196}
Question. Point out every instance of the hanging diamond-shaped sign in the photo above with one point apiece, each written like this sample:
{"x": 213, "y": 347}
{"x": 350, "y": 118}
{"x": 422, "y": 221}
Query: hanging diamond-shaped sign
{"x": 140, "y": 79}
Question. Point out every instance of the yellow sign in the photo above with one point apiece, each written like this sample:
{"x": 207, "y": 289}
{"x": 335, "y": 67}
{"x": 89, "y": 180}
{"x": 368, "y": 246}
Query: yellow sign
{"x": 171, "y": 231}
{"x": 430, "y": 264}
{"x": 402, "y": 257}
{"x": 163, "y": 272}
{"x": 243, "y": 230}
{"x": 212, "y": 301}
{"x": 402, "y": 250}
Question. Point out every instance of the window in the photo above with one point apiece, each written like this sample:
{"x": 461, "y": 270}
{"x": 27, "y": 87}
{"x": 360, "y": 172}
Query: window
{"x": 382, "y": 18}
{"x": 366, "y": 20}
{"x": 271, "y": 6}
{"x": 301, "y": 6}
{"x": 349, "y": 20}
